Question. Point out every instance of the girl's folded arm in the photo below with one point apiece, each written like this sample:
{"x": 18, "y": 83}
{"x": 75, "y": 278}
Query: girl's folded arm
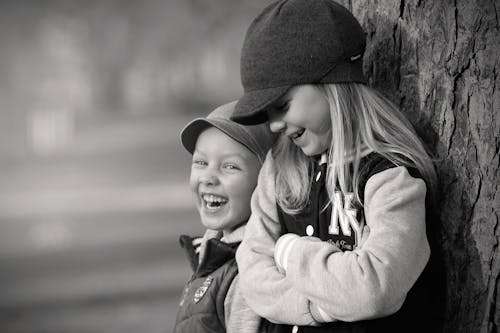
{"x": 373, "y": 280}
{"x": 265, "y": 288}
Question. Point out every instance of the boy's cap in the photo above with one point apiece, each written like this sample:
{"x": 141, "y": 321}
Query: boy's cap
{"x": 257, "y": 138}
{"x": 296, "y": 42}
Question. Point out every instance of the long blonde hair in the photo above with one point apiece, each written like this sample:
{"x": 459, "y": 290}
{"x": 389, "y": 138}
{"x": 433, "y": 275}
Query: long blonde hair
{"x": 361, "y": 118}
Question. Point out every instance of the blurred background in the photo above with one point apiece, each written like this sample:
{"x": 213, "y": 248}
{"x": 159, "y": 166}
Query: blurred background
{"x": 93, "y": 180}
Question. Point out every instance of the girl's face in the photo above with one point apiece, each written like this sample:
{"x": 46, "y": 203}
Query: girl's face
{"x": 303, "y": 115}
{"x": 223, "y": 177}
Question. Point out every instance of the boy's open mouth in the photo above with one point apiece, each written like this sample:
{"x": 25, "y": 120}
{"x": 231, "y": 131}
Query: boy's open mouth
{"x": 213, "y": 202}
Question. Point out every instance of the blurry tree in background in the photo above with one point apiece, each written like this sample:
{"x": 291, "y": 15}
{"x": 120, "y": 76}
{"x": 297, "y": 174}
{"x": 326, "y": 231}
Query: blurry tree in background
{"x": 93, "y": 180}
{"x": 63, "y": 61}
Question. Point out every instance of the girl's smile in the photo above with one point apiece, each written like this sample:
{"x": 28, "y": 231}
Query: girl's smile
{"x": 297, "y": 134}
{"x": 304, "y": 117}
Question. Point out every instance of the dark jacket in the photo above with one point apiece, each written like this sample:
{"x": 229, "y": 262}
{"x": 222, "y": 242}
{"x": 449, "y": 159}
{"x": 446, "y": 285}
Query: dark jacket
{"x": 201, "y": 308}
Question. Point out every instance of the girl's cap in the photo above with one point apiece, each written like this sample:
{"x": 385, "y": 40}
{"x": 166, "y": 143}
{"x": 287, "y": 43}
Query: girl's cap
{"x": 296, "y": 42}
{"x": 257, "y": 138}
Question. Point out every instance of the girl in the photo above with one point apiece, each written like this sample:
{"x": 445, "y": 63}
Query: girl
{"x": 337, "y": 238}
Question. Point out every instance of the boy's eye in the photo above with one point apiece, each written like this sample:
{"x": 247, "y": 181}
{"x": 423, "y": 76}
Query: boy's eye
{"x": 231, "y": 166}
{"x": 199, "y": 162}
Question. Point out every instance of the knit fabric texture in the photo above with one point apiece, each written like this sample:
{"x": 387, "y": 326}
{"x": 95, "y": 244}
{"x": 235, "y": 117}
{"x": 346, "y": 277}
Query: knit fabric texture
{"x": 295, "y": 42}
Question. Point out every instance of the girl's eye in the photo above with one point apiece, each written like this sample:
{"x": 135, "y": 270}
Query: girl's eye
{"x": 279, "y": 109}
{"x": 283, "y": 107}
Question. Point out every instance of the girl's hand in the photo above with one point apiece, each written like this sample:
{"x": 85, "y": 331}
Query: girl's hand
{"x": 364, "y": 236}
{"x": 282, "y": 250}
{"x": 286, "y": 241}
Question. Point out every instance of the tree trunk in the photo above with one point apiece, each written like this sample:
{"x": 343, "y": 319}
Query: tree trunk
{"x": 439, "y": 60}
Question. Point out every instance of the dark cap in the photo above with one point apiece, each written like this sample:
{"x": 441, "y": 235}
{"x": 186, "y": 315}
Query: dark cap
{"x": 296, "y": 42}
{"x": 257, "y": 138}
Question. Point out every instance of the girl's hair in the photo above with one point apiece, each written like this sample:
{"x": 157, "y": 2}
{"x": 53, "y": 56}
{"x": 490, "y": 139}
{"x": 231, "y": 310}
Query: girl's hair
{"x": 361, "y": 119}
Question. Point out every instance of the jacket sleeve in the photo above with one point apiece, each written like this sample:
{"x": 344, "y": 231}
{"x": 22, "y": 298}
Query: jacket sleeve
{"x": 239, "y": 318}
{"x": 267, "y": 291}
{"x": 373, "y": 280}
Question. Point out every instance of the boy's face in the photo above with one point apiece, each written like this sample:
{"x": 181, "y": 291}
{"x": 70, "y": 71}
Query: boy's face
{"x": 223, "y": 177}
{"x": 303, "y": 115}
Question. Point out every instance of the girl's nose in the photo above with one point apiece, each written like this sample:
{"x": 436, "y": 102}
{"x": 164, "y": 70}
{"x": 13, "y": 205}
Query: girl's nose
{"x": 277, "y": 125}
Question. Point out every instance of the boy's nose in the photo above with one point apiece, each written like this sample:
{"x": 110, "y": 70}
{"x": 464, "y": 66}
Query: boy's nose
{"x": 276, "y": 125}
{"x": 209, "y": 179}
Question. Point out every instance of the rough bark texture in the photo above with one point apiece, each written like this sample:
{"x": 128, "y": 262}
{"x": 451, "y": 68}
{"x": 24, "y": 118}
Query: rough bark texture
{"x": 439, "y": 60}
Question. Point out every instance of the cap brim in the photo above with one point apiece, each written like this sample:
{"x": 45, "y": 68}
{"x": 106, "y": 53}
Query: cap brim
{"x": 251, "y": 108}
{"x": 190, "y": 133}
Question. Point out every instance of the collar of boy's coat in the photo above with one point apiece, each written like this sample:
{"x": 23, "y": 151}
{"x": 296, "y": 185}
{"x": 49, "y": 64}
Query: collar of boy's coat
{"x": 233, "y": 236}
{"x": 215, "y": 254}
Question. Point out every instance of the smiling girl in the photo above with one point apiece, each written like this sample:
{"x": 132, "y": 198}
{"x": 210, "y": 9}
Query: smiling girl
{"x": 337, "y": 240}
{"x": 226, "y": 161}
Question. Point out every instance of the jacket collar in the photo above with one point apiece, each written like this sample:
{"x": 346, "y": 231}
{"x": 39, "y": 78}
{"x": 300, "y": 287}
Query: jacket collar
{"x": 216, "y": 249}
{"x": 365, "y": 150}
{"x": 217, "y": 253}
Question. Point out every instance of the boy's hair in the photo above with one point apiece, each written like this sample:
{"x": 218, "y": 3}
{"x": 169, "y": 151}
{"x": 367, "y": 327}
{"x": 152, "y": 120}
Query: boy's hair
{"x": 361, "y": 118}
{"x": 258, "y": 139}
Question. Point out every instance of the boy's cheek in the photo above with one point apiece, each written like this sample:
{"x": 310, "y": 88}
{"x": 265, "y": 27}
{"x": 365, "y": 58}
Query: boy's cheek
{"x": 193, "y": 183}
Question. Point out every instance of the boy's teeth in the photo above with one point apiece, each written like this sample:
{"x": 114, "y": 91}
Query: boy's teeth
{"x": 213, "y": 198}
{"x": 210, "y": 198}
{"x": 213, "y": 202}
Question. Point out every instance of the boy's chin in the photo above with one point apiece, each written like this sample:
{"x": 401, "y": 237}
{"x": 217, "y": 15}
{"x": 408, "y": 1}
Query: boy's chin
{"x": 213, "y": 222}
{"x": 219, "y": 224}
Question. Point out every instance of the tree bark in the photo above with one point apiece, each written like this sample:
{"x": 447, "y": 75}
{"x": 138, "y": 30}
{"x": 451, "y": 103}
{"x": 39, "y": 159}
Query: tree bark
{"x": 439, "y": 61}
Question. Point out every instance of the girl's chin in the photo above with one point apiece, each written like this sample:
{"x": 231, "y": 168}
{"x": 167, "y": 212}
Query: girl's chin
{"x": 313, "y": 150}
{"x": 310, "y": 152}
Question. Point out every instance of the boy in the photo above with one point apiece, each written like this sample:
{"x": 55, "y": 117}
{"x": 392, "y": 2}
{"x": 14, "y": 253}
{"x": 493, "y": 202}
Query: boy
{"x": 226, "y": 161}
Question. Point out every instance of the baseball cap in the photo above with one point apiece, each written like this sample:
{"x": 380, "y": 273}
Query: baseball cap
{"x": 257, "y": 138}
{"x": 293, "y": 42}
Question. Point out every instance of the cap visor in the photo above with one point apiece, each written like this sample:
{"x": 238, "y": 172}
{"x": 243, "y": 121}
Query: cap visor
{"x": 251, "y": 108}
{"x": 190, "y": 133}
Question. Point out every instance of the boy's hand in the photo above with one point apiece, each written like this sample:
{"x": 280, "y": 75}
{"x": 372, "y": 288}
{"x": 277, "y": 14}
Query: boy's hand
{"x": 196, "y": 244}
